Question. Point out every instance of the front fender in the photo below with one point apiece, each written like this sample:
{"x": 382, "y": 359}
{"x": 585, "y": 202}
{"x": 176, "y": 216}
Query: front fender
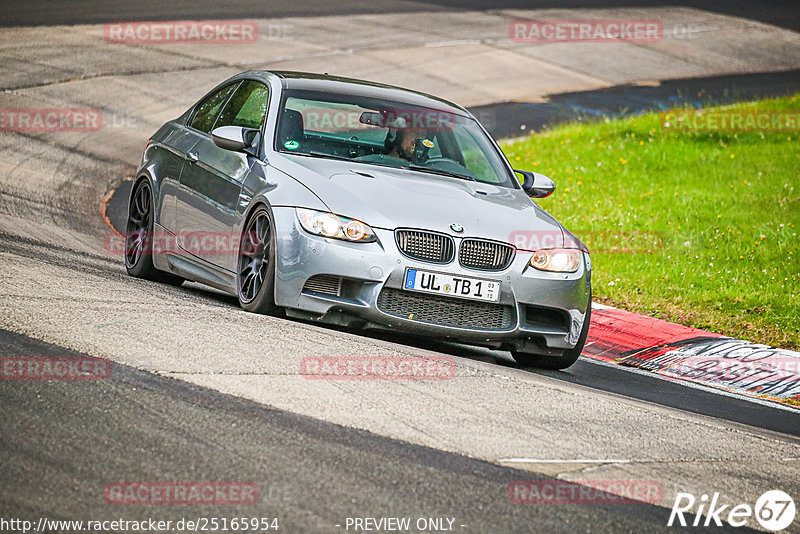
{"x": 273, "y": 188}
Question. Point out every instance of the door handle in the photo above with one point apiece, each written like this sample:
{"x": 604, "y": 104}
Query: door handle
{"x": 192, "y": 157}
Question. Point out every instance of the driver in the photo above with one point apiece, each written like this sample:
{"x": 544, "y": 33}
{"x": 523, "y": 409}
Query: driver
{"x": 405, "y": 141}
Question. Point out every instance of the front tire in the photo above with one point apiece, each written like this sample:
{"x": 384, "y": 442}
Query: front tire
{"x": 139, "y": 238}
{"x": 255, "y": 273}
{"x": 558, "y": 362}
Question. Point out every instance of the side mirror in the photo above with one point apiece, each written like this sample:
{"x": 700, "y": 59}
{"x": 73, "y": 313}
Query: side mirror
{"x": 236, "y": 138}
{"x": 537, "y": 185}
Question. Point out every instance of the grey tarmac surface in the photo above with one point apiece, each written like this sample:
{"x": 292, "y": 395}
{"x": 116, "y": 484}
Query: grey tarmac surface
{"x": 782, "y": 13}
{"x": 488, "y": 411}
{"x": 513, "y": 119}
{"x": 62, "y": 442}
{"x": 60, "y": 283}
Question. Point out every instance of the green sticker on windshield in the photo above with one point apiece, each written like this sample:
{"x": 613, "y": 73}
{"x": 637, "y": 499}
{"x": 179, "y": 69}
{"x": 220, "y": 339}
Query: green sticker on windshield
{"x": 291, "y": 145}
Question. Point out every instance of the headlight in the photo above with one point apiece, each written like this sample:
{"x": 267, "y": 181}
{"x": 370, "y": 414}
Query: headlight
{"x": 559, "y": 260}
{"x": 334, "y": 226}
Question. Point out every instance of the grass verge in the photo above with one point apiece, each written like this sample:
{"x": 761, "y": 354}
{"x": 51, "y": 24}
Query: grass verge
{"x": 695, "y": 228}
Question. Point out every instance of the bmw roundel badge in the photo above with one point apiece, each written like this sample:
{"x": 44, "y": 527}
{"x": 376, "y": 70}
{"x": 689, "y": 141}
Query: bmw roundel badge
{"x": 456, "y": 227}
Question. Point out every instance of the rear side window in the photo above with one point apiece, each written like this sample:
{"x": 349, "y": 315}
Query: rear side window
{"x": 206, "y": 113}
{"x": 247, "y": 108}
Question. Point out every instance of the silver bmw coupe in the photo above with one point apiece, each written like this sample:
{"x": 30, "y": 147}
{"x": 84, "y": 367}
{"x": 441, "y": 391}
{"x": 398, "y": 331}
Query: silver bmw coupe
{"x": 361, "y": 205}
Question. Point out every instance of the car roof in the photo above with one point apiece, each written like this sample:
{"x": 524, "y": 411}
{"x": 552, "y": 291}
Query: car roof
{"x": 337, "y": 84}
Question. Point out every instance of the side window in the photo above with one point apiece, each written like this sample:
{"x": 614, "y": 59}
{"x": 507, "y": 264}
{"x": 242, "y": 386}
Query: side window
{"x": 247, "y": 108}
{"x": 207, "y": 111}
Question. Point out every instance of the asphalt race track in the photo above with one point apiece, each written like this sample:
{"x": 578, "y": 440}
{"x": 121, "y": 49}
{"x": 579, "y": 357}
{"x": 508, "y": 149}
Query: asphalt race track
{"x": 24, "y": 13}
{"x": 201, "y": 391}
{"x": 310, "y": 473}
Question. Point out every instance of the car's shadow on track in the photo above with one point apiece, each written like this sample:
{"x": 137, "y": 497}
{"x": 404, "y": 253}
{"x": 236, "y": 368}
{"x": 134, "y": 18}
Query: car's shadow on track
{"x": 585, "y": 372}
{"x": 481, "y": 354}
{"x": 203, "y": 291}
{"x": 453, "y": 349}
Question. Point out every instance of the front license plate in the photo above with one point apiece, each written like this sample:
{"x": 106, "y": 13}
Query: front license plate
{"x": 452, "y": 286}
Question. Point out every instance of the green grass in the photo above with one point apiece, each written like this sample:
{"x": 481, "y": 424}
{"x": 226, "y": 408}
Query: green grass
{"x": 726, "y": 208}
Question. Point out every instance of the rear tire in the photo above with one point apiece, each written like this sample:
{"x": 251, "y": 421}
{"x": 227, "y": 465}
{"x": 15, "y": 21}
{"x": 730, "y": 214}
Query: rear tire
{"x": 557, "y": 362}
{"x": 139, "y": 238}
{"x": 255, "y": 271}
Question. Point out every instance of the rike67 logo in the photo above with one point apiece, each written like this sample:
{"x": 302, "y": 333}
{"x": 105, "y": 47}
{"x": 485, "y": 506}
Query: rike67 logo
{"x": 774, "y": 511}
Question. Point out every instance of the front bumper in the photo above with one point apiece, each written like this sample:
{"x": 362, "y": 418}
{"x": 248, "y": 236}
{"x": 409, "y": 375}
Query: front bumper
{"x": 538, "y": 311}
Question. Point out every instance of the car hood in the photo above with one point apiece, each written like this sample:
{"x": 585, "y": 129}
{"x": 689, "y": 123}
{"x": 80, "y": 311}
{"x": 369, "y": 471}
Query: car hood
{"x": 390, "y": 198}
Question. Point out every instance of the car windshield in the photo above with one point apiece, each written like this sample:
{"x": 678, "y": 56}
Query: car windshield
{"x": 388, "y": 133}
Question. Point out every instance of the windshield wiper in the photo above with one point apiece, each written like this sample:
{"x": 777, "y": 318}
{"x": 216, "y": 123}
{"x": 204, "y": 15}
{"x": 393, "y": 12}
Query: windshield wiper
{"x": 431, "y": 170}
